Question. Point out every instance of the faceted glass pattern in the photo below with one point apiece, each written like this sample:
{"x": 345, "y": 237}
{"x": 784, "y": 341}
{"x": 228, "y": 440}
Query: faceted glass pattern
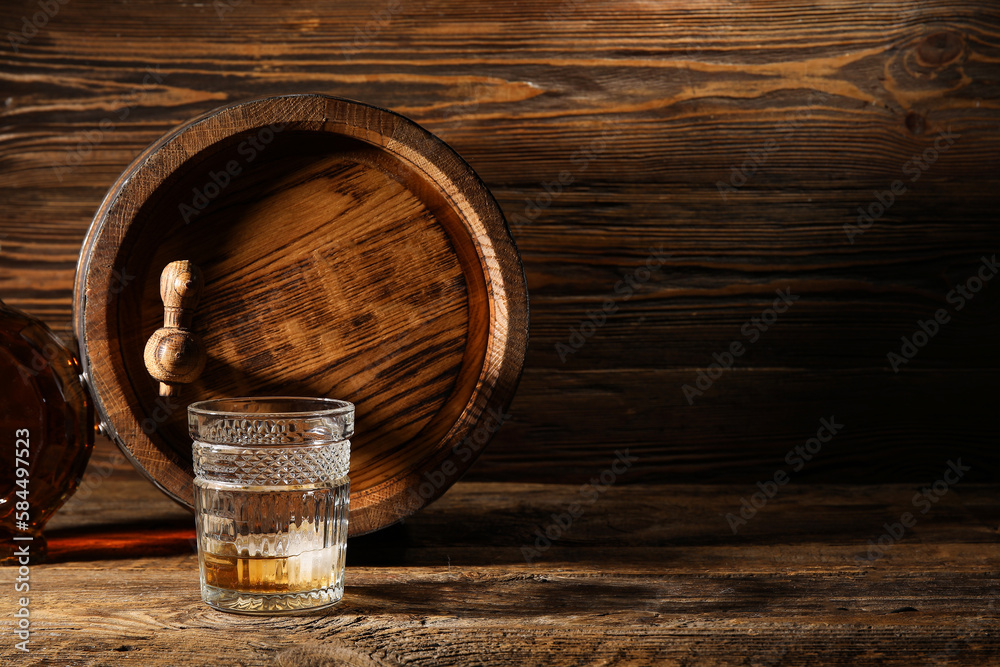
{"x": 271, "y": 504}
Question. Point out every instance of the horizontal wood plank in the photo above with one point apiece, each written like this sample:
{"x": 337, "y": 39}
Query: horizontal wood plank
{"x": 724, "y": 435}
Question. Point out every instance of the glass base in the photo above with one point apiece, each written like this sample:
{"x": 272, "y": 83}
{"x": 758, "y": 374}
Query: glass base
{"x": 241, "y": 602}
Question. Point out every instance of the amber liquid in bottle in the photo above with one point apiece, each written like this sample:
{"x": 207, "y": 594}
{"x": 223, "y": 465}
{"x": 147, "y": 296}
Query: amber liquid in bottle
{"x": 46, "y": 431}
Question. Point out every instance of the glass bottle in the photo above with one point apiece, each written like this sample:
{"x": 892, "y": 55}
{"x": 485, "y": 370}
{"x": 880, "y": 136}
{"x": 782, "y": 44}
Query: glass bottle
{"x": 46, "y": 431}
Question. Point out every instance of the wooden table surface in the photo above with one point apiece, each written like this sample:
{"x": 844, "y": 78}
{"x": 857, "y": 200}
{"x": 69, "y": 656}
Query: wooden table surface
{"x": 646, "y": 575}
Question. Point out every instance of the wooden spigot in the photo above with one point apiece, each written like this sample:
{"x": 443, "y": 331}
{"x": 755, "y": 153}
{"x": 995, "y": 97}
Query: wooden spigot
{"x": 173, "y": 354}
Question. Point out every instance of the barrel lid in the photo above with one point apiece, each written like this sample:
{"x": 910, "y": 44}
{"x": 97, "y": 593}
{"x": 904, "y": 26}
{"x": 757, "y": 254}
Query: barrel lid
{"x": 346, "y": 252}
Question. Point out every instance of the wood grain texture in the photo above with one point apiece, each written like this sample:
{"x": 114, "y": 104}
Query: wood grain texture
{"x": 647, "y": 574}
{"x": 803, "y": 112}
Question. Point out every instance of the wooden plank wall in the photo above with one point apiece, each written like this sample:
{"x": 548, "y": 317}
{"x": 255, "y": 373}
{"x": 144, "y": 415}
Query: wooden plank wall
{"x": 729, "y": 141}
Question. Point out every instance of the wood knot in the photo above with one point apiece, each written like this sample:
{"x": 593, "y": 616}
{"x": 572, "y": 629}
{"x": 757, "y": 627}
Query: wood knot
{"x": 915, "y": 123}
{"x": 940, "y": 49}
{"x": 930, "y": 64}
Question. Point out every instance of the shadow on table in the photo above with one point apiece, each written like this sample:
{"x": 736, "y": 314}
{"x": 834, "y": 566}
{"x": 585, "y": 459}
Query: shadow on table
{"x": 607, "y": 540}
{"x": 516, "y": 595}
{"x": 494, "y": 597}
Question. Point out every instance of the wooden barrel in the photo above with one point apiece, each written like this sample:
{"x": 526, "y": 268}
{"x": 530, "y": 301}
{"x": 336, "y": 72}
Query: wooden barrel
{"x": 344, "y": 252}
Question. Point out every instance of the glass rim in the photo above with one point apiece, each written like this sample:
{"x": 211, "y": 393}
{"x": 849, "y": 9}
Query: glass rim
{"x": 325, "y": 407}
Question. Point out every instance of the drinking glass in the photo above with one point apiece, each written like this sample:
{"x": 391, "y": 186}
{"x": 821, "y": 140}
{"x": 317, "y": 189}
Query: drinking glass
{"x": 271, "y": 501}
